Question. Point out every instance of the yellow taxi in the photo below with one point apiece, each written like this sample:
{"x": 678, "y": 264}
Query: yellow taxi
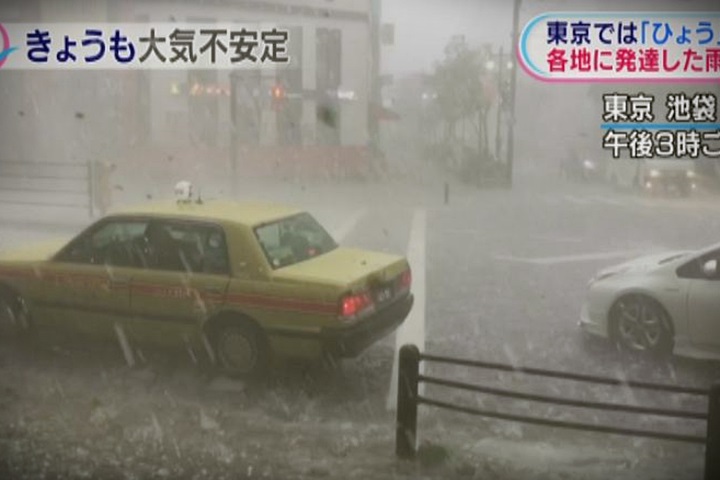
{"x": 241, "y": 283}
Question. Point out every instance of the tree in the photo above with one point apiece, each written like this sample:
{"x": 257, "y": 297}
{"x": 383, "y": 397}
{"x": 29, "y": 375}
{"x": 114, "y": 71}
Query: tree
{"x": 460, "y": 82}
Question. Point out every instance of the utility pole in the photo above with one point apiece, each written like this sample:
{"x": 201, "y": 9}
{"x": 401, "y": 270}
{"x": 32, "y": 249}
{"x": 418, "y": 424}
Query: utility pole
{"x": 499, "y": 104}
{"x": 233, "y": 133}
{"x": 513, "y": 84}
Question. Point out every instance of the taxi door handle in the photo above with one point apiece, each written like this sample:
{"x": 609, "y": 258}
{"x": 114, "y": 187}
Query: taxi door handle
{"x": 213, "y": 290}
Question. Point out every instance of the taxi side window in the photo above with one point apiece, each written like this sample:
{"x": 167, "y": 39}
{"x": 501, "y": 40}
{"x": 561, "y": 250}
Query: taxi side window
{"x": 191, "y": 247}
{"x": 113, "y": 243}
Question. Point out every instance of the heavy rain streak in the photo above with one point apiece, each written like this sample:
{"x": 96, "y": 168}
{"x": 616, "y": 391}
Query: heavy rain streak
{"x": 221, "y": 221}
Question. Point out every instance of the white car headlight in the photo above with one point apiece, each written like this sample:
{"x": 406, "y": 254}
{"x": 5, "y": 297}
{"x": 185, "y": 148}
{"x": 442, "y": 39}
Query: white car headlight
{"x": 690, "y": 173}
{"x": 589, "y": 164}
{"x": 599, "y": 276}
{"x": 603, "y": 274}
{"x": 654, "y": 173}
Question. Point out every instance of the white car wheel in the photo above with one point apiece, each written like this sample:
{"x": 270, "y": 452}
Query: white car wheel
{"x": 640, "y": 324}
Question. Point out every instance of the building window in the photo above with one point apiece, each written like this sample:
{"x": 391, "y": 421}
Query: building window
{"x": 329, "y": 58}
{"x": 203, "y": 107}
{"x": 288, "y": 92}
{"x": 246, "y": 106}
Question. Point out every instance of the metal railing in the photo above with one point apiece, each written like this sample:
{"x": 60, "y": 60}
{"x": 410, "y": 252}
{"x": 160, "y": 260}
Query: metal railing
{"x": 408, "y": 399}
{"x": 48, "y": 184}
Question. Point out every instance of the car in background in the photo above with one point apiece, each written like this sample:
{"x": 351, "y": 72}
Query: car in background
{"x": 582, "y": 169}
{"x": 654, "y": 176}
{"x": 660, "y": 304}
{"x": 668, "y": 176}
{"x": 237, "y": 282}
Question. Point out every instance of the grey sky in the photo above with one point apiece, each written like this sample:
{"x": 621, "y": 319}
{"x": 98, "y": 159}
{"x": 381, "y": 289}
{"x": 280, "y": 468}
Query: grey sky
{"x": 423, "y": 27}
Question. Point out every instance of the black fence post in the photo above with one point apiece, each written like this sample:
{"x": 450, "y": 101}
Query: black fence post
{"x": 406, "y": 426}
{"x": 712, "y": 445}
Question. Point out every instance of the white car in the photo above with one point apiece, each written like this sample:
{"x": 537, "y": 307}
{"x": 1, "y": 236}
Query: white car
{"x": 659, "y": 304}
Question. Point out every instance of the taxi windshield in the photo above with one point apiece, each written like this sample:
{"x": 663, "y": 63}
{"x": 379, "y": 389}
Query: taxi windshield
{"x": 293, "y": 239}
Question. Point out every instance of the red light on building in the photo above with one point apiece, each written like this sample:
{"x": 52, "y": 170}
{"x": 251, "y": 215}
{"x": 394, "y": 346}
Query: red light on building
{"x": 278, "y": 93}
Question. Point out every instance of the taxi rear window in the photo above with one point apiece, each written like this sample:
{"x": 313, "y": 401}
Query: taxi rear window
{"x": 293, "y": 239}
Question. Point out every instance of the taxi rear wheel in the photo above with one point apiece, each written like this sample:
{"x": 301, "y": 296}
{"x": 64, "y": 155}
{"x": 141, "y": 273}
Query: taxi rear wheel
{"x": 241, "y": 350}
{"x": 14, "y": 318}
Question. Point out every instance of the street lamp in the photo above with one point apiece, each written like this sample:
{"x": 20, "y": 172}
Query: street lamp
{"x": 490, "y": 65}
{"x": 513, "y": 84}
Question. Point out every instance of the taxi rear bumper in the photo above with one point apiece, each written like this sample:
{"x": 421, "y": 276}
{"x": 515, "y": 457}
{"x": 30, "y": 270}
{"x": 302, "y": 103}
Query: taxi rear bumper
{"x": 348, "y": 342}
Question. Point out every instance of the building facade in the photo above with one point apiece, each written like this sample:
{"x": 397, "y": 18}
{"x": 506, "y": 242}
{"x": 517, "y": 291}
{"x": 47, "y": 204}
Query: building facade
{"x": 322, "y": 99}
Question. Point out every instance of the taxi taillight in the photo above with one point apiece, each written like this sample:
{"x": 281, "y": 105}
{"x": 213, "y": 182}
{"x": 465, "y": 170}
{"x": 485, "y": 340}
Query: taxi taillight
{"x": 355, "y": 303}
{"x": 405, "y": 280}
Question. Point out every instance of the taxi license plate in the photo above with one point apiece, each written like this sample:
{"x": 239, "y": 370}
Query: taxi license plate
{"x": 384, "y": 294}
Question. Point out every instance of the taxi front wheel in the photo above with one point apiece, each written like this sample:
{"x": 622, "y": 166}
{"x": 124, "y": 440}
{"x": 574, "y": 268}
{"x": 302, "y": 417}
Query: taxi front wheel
{"x": 241, "y": 350}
